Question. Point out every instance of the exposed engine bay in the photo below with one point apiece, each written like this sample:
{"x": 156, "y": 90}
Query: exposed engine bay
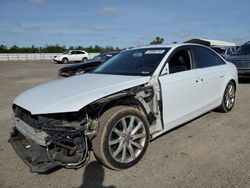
{"x": 47, "y": 141}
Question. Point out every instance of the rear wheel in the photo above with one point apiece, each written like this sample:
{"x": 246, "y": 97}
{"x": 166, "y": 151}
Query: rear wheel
{"x": 228, "y": 98}
{"x": 84, "y": 59}
{"x": 122, "y": 138}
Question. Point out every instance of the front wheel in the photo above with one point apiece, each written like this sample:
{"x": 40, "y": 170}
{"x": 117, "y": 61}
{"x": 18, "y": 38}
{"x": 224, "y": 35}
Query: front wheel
{"x": 228, "y": 98}
{"x": 65, "y": 60}
{"x": 122, "y": 138}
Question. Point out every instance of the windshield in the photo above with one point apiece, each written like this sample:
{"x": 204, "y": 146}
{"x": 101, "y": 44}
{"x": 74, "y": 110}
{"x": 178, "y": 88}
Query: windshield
{"x": 65, "y": 52}
{"x": 138, "y": 62}
{"x": 97, "y": 57}
{"x": 103, "y": 57}
{"x": 243, "y": 50}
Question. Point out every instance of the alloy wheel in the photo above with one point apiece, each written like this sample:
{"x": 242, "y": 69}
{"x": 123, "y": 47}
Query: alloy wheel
{"x": 127, "y": 139}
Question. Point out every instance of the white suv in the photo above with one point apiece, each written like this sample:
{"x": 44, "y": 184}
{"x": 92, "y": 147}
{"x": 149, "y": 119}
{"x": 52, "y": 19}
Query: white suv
{"x": 71, "y": 56}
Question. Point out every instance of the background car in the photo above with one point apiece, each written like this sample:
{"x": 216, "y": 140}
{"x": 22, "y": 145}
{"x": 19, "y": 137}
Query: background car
{"x": 137, "y": 95}
{"x": 71, "y": 56}
{"x": 241, "y": 59}
{"x": 223, "y": 48}
{"x": 87, "y": 65}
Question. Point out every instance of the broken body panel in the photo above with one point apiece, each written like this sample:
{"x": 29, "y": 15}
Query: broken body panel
{"x": 61, "y": 137}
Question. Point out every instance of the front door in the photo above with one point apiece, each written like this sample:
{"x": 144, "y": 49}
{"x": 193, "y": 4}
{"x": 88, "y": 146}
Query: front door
{"x": 180, "y": 89}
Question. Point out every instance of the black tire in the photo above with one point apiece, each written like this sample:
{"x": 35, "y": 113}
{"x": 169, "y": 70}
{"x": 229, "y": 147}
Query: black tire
{"x": 101, "y": 142}
{"x": 228, "y": 100}
{"x": 65, "y": 60}
{"x": 84, "y": 59}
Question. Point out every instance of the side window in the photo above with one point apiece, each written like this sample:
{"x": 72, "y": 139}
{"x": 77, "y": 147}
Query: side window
{"x": 206, "y": 58}
{"x": 219, "y": 61}
{"x": 72, "y": 52}
{"x": 81, "y": 52}
{"x": 180, "y": 61}
{"x": 219, "y": 50}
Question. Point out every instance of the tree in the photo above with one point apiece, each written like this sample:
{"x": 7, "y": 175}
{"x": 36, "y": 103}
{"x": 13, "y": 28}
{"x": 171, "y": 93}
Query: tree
{"x": 3, "y": 49}
{"x": 14, "y": 49}
{"x": 54, "y": 49}
{"x": 157, "y": 40}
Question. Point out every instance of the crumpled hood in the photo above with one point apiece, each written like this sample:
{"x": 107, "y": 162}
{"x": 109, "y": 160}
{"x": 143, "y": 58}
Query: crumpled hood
{"x": 72, "y": 94}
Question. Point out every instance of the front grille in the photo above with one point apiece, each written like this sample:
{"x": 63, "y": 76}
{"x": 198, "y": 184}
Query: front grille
{"x": 26, "y": 116}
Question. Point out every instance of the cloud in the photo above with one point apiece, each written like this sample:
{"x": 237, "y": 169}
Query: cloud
{"x": 183, "y": 35}
{"x": 99, "y": 28}
{"x": 110, "y": 38}
{"x": 26, "y": 27}
{"x": 32, "y": 28}
{"x": 38, "y": 3}
{"x": 58, "y": 35}
{"x": 111, "y": 11}
{"x": 142, "y": 40}
{"x": 145, "y": 38}
{"x": 16, "y": 23}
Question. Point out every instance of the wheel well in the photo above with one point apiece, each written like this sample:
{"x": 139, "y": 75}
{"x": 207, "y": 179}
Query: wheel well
{"x": 234, "y": 82}
{"x": 96, "y": 110}
{"x": 125, "y": 101}
{"x": 139, "y": 97}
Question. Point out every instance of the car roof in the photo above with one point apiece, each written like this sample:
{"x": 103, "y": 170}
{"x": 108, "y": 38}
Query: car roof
{"x": 168, "y": 46}
{"x": 247, "y": 43}
{"x": 211, "y": 43}
{"x": 76, "y": 50}
{"x": 155, "y": 46}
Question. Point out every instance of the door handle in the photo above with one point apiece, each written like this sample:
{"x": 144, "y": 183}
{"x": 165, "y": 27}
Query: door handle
{"x": 199, "y": 80}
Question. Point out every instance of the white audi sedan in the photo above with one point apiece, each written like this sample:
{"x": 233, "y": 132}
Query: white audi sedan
{"x": 119, "y": 107}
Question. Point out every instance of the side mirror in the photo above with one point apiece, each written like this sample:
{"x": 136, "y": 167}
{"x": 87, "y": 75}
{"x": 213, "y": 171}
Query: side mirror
{"x": 165, "y": 70}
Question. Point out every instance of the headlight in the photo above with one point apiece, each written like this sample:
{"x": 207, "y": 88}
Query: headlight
{"x": 80, "y": 71}
{"x": 58, "y": 58}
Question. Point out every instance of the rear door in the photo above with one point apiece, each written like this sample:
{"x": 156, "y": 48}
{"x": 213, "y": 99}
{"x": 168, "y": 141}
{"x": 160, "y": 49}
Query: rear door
{"x": 72, "y": 56}
{"x": 79, "y": 55}
{"x": 212, "y": 72}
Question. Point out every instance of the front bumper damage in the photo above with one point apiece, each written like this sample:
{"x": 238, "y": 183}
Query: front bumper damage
{"x": 49, "y": 148}
{"x": 32, "y": 154}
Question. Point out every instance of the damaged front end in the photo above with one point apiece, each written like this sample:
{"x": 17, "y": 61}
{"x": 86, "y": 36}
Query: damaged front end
{"x": 50, "y": 141}
{"x": 47, "y": 141}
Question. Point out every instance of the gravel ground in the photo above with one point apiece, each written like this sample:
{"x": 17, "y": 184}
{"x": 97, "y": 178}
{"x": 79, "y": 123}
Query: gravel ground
{"x": 211, "y": 151}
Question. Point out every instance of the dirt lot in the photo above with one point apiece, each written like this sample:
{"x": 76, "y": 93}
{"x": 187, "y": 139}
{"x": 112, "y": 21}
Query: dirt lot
{"x": 211, "y": 151}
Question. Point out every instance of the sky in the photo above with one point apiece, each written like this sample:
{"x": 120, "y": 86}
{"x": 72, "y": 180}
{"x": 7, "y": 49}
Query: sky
{"x": 118, "y": 23}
